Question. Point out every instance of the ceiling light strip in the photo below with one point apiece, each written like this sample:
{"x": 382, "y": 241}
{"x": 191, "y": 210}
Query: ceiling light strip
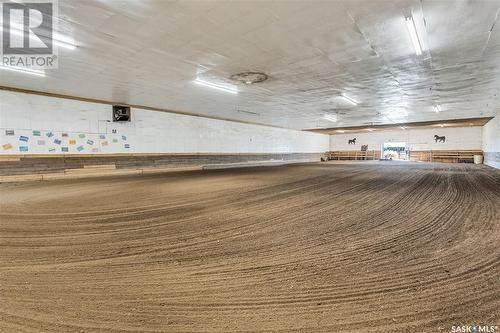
{"x": 23, "y": 70}
{"x": 65, "y": 45}
{"x": 229, "y": 89}
{"x": 349, "y": 99}
{"x": 412, "y": 30}
{"x": 330, "y": 117}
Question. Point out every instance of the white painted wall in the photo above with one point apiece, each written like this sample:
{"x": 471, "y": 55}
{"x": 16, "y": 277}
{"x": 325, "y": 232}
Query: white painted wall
{"x": 417, "y": 139}
{"x": 148, "y": 132}
{"x": 491, "y": 142}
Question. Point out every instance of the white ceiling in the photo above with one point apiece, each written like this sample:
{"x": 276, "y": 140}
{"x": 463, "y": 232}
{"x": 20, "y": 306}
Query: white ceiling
{"x": 148, "y": 53}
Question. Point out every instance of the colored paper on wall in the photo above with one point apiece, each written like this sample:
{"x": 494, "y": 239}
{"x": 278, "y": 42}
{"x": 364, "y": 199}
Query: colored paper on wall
{"x": 50, "y": 134}
{"x": 36, "y": 133}
{"x": 51, "y": 150}
{"x": 102, "y": 136}
{"x": 90, "y": 142}
{"x": 23, "y": 138}
{"x": 7, "y": 146}
{"x": 124, "y": 137}
{"x": 126, "y": 145}
{"x": 104, "y": 143}
{"x": 23, "y": 148}
{"x": 64, "y": 135}
{"x": 57, "y": 141}
{"x": 115, "y": 140}
{"x": 72, "y": 142}
{"x": 95, "y": 150}
{"x": 9, "y": 132}
{"x": 41, "y": 142}
{"x": 113, "y": 131}
{"x": 81, "y": 135}
{"x": 64, "y": 149}
{"x": 80, "y": 148}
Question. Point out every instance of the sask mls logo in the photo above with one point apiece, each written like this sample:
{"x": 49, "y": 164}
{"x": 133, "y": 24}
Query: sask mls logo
{"x": 27, "y": 34}
{"x": 474, "y": 328}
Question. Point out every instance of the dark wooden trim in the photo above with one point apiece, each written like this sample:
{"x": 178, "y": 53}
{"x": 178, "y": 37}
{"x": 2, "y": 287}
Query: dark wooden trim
{"x": 35, "y": 155}
{"x": 466, "y": 122}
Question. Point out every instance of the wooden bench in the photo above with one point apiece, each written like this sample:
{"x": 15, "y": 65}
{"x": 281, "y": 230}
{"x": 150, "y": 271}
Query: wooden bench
{"x": 445, "y": 156}
{"x": 353, "y": 155}
{"x": 422, "y": 156}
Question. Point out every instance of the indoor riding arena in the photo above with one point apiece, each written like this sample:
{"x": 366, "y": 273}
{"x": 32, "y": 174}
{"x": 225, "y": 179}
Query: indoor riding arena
{"x": 250, "y": 166}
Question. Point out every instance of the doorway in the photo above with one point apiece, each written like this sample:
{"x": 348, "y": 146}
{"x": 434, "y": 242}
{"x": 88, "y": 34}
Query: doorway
{"x": 395, "y": 151}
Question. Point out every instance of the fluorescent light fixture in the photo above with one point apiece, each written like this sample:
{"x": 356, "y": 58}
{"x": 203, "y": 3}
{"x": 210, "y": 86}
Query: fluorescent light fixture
{"x": 412, "y": 30}
{"x": 441, "y": 125}
{"x": 330, "y": 117}
{"x": 62, "y": 44}
{"x": 437, "y": 109}
{"x": 341, "y": 131}
{"x": 226, "y": 88}
{"x": 23, "y": 70}
{"x": 402, "y": 127}
{"x": 369, "y": 130}
{"x": 349, "y": 99}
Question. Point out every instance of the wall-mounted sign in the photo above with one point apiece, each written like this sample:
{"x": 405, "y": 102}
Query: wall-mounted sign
{"x": 352, "y": 141}
{"x": 438, "y": 138}
{"x": 9, "y": 132}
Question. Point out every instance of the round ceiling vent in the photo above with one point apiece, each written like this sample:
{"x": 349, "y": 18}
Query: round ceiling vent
{"x": 250, "y": 77}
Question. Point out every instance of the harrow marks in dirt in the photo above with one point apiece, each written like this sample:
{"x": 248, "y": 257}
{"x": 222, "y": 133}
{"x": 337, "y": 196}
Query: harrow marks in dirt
{"x": 309, "y": 248}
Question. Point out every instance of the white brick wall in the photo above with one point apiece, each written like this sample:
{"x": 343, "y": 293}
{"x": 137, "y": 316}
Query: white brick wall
{"x": 417, "y": 139}
{"x": 148, "y": 132}
{"x": 491, "y": 142}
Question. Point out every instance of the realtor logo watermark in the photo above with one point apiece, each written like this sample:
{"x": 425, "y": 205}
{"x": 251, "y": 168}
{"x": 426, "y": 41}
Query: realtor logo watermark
{"x": 27, "y": 34}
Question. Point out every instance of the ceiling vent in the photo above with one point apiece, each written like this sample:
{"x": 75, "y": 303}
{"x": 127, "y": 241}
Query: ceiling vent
{"x": 249, "y": 77}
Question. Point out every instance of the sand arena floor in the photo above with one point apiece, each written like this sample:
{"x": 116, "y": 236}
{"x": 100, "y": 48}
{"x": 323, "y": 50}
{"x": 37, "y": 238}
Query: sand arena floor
{"x": 380, "y": 247}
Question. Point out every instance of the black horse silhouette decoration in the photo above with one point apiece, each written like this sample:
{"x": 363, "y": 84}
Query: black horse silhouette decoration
{"x": 353, "y": 141}
{"x": 438, "y": 138}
